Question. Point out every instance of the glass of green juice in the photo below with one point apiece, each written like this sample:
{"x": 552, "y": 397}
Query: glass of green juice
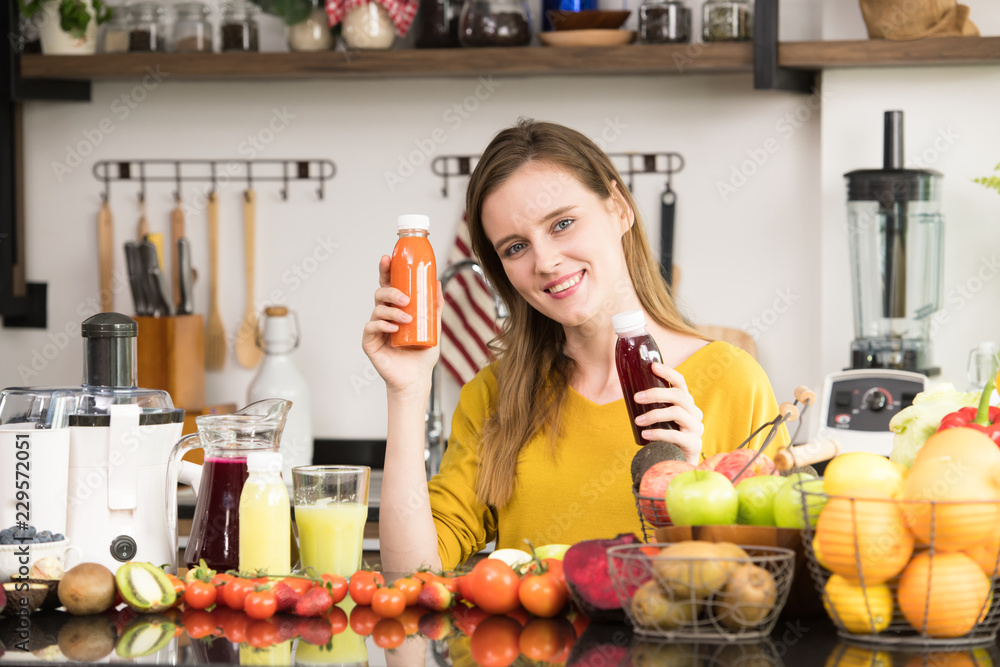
{"x": 331, "y": 507}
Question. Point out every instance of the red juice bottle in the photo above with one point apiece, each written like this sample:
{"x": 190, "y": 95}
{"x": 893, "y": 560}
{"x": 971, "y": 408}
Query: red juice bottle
{"x": 215, "y": 530}
{"x": 635, "y": 353}
{"x": 413, "y": 271}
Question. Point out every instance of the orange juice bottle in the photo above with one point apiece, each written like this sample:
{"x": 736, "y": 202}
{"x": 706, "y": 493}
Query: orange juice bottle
{"x": 414, "y": 272}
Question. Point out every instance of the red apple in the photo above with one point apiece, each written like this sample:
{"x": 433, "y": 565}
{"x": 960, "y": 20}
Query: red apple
{"x": 735, "y": 461}
{"x": 712, "y": 461}
{"x": 654, "y": 485}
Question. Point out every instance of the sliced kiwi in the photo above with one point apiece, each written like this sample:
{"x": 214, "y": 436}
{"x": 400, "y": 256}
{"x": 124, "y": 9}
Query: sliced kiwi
{"x": 145, "y": 587}
{"x": 145, "y": 636}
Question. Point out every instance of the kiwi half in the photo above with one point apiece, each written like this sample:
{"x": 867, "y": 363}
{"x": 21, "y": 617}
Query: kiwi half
{"x": 145, "y": 636}
{"x": 145, "y": 587}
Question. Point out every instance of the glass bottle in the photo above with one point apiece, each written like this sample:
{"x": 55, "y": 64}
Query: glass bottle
{"x": 192, "y": 29}
{"x": 635, "y": 353}
{"x": 146, "y": 31}
{"x": 115, "y": 31}
{"x": 368, "y": 27}
{"x": 664, "y": 22}
{"x": 494, "y": 23}
{"x": 727, "y": 21}
{"x": 239, "y": 26}
{"x": 413, "y": 271}
{"x": 437, "y": 24}
{"x": 265, "y": 512}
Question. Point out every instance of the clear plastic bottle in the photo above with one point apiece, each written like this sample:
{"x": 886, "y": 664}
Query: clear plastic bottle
{"x": 265, "y": 514}
{"x": 414, "y": 272}
{"x": 635, "y": 353}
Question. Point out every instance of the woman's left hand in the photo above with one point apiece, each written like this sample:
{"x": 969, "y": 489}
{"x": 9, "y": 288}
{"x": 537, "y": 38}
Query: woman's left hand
{"x": 681, "y": 410}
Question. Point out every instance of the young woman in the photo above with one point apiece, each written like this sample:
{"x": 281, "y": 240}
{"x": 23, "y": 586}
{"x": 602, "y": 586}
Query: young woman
{"x": 541, "y": 446}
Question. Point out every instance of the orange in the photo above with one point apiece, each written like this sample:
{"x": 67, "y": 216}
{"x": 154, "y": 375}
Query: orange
{"x": 880, "y": 476}
{"x": 846, "y": 655}
{"x": 978, "y": 657}
{"x": 987, "y": 554}
{"x": 863, "y": 539}
{"x": 943, "y": 596}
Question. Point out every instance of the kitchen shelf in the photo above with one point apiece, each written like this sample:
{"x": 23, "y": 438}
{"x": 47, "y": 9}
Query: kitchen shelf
{"x": 526, "y": 61}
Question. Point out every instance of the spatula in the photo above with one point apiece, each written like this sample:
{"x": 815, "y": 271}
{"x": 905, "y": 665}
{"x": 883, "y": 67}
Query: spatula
{"x": 215, "y": 338}
{"x": 105, "y": 257}
{"x": 247, "y": 353}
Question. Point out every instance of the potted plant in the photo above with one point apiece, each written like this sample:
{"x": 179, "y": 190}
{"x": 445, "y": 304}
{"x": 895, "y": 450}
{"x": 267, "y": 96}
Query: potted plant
{"x": 306, "y": 20}
{"x": 66, "y": 26}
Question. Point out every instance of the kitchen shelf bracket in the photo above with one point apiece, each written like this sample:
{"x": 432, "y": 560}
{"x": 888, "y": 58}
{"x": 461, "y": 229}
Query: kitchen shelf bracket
{"x": 767, "y": 73}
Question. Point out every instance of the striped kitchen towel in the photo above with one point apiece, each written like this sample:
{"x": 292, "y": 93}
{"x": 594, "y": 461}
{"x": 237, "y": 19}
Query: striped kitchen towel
{"x": 468, "y": 316}
{"x": 401, "y": 12}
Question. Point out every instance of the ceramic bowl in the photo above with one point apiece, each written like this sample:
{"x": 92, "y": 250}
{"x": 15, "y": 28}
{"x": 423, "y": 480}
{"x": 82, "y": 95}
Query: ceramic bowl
{"x": 11, "y": 556}
{"x": 587, "y": 19}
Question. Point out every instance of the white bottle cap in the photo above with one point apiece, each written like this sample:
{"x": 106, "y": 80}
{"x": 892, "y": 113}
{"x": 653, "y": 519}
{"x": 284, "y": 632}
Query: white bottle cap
{"x": 264, "y": 462}
{"x": 413, "y": 221}
{"x": 630, "y": 320}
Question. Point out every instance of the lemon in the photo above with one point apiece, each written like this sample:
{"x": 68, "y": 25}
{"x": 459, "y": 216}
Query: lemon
{"x": 856, "y": 656}
{"x": 862, "y": 610}
{"x": 880, "y": 477}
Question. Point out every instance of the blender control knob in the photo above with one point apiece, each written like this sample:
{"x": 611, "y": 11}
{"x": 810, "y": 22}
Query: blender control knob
{"x": 123, "y": 548}
{"x": 877, "y": 401}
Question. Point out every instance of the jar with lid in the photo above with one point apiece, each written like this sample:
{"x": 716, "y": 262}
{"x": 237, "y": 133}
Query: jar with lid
{"x": 727, "y": 21}
{"x": 192, "y": 29}
{"x": 115, "y": 31}
{"x": 145, "y": 27}
{"x": 494, "y": 23}
{"x": 239, "y": 26}
{"x": 664, "y": 22}
{"x": 311, "y": 33}
{"x": 437, "y": 24}
{"x": 368, "y": 27}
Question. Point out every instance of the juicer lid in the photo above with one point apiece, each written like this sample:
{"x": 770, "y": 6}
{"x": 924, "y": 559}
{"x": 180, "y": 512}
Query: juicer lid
{"x": 110, "y": 325}
{"x": 887, "y": 186}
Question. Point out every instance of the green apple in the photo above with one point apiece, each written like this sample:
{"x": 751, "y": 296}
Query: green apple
{"x": 513, "y": 557}
{"x": 788, "y": 509}
{"x": 757, "y": 499}
{"x": 556, "y": 551}
{"x": 702, "y": 498}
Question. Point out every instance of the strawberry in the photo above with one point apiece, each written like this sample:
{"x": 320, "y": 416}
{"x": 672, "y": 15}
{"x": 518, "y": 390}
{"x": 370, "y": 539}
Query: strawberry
{"x": 288, "y": 627}
{"x": 435, "y": 625}
{"x": 285, "y": 597}
{"x": 316, "y": 631}
{"x": 435, "y": 596}
{"x": 314, "y": 603}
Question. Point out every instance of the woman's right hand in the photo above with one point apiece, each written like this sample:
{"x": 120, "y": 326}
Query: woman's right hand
{"x": 400, "y": 368}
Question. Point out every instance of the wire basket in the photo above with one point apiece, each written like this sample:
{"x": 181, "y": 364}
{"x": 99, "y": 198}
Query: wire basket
{"x": 701, "y": 598}
{"x": 890, "y": 571}
{"x": 855, "y": 655}
{"x": 659, "y": 653}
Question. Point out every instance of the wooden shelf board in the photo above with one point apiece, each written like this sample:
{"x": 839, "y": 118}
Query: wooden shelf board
{"x": 880, "y": 52}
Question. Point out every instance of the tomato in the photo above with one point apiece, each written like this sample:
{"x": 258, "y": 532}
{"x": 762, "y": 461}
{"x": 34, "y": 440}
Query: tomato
{"x": 261, "y": 634}
{"x": 178, "y": 585}
{"x": 234, "y": 627}
{"x": 411, "y": 587}
{"x": 388, "y": 602}
{"x": 519, "y": 615}
{"x": 198, "y": 623}
{"x": 388, "y": 633}
{"x": 425, "y": 576}
{"x": 410, "y": 618}
{"x": 451, "y": 583}
{"x": 261, "y": 581}
{"x": 556, "y": 570}
{"x": 362, "y": 586}
{"x": 199, "y": 594}
{"x": 495, "y": 586}
{"x": 542, "y": 594}
{"x": 465, "y": 588}
{"x": 495, "y": 642}
{"x": 467, "y": 619}
{"x": 363, "y": 620}
{"x": 338, "y": 620}
{"x": 544, "y": 638}
{"x": 235, "y": 592}
{"x": 336, "y": 585}
{"x": 298, "y": 584}
{"x": 260, "y": 604}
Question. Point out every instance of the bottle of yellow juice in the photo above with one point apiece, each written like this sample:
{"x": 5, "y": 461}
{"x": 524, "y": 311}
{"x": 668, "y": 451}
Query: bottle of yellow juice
{"x": 265, "y": 517}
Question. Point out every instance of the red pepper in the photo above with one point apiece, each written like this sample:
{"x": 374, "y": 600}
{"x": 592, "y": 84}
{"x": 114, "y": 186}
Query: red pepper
{"x": 984, "y": 418}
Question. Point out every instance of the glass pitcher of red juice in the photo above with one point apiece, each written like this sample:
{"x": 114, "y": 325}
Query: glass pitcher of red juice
{"x": 226, "y": 439}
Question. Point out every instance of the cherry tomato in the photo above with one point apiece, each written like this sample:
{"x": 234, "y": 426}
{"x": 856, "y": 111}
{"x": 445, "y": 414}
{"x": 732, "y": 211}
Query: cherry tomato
{"x": 467, "y": 619}
{"x": 495, "y": 642}
{"x": 542, "y": 594}
{"x": 198, "y": 623}
{"x": 450, "y": 582}
{"x": 410, "y": 618}
{"x": 298, "y": 584}
{"x": 336, "y": 585}
{"x": 261, "y": 581}
{"x": 235, "y": 627}
{"x": 388, "y": 633}
{"x": 338, "y": 620}
{"x": 235, "y": 592}
{"x": 556, "y": 570}
{"x": 199, "y": 594}
{"x": 495, "y": 585}
{"x": 519, "y": 615}
{"x": 388, "y": 602}
{"x": 260, "y": 604}
{"x": 362, "y": 586}
{"x": 411, "y": 587}
{"x": 363, "y": 620}
{"x": 261, "y": 634}
{"x": 425, "y": 576}
{"x": 465, "y": 588}
{"x": 544, "y": 638}
{"x": 178, "y": 585}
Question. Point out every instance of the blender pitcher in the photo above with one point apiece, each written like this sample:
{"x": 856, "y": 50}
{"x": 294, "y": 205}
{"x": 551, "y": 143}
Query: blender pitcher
{"x": 226, "y": 439}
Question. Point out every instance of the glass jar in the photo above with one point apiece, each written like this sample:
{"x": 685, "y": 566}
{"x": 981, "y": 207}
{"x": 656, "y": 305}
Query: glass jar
{"x": 192, "y": 29}
{"x": 239, "y": 26}
{"x": 313, "y": 33}
{"x": 437, "y": 24}
{"x": 664, "y": 22}
{"x": 145, "y": 27}
{"x": 494, "y": 23}
{"x": 115, "y": 31}
{"x": 727, "y": 21}
{"x": 368, "y": 27}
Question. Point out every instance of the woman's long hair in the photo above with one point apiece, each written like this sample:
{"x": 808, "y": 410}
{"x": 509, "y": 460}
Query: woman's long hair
{"x": 532, "y": 372}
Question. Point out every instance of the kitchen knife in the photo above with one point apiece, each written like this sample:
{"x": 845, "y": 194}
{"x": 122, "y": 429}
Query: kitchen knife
{"x": 135, "y": 278}
{"x": 668, "y": 205}
{"x": 155, "y": 281}
{"x": 185, "y": 297}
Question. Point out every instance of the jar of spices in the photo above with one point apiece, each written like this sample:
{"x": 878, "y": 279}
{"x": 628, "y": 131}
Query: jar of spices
{"x": 437, "y": 24}
{"x": 239, "y": 26}
{"x": 727, "y": 21}
{"x": 115, "y": 31}
{"x": 368, "y": 27}
{"x": 192, "y": 29}
{"x": 145, "y": 27}
{"x": 664, "y": 22}
{"x": 312, "y": 33}
{"x": 494, "y": 23}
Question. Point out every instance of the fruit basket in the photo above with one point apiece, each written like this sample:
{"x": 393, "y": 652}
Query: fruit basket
{"x": 648, "y": 652}
{"x": 905, "y": 572}
{"x": 701, "y": 591}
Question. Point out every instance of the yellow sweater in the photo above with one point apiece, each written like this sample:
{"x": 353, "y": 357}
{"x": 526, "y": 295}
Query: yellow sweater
{"x": 585, "y": 492}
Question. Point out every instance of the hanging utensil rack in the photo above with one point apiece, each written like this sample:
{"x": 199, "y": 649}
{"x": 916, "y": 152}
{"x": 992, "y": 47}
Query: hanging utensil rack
{"x": 216, "y": 172}
{"x": 628, "y": 165}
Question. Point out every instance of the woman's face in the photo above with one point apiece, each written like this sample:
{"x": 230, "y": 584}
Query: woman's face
{"x": 560, "y": 244}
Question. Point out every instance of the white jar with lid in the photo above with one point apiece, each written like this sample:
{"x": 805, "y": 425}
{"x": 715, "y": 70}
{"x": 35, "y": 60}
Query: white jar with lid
{"x": 368, "y": 27}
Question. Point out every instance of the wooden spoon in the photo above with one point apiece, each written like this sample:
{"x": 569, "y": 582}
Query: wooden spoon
{"x": 105, "y": 257}
{"x": 215, "y": 340}
{"x": 177, "y": 232}
{"x": 247, "y": 352}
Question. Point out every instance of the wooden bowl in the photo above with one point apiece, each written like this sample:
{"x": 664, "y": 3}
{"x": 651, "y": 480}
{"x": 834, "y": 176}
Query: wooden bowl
{"x": 587, "y": 19}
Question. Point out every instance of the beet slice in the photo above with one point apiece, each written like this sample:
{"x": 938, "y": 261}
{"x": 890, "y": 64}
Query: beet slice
{"x": 585, "y": 567}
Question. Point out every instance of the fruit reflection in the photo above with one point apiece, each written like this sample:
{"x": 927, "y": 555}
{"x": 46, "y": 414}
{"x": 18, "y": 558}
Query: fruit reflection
{"x": 345, "y": 648}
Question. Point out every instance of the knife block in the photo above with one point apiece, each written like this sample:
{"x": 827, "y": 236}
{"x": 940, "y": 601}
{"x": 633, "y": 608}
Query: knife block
{"x": 171, "y": 353}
